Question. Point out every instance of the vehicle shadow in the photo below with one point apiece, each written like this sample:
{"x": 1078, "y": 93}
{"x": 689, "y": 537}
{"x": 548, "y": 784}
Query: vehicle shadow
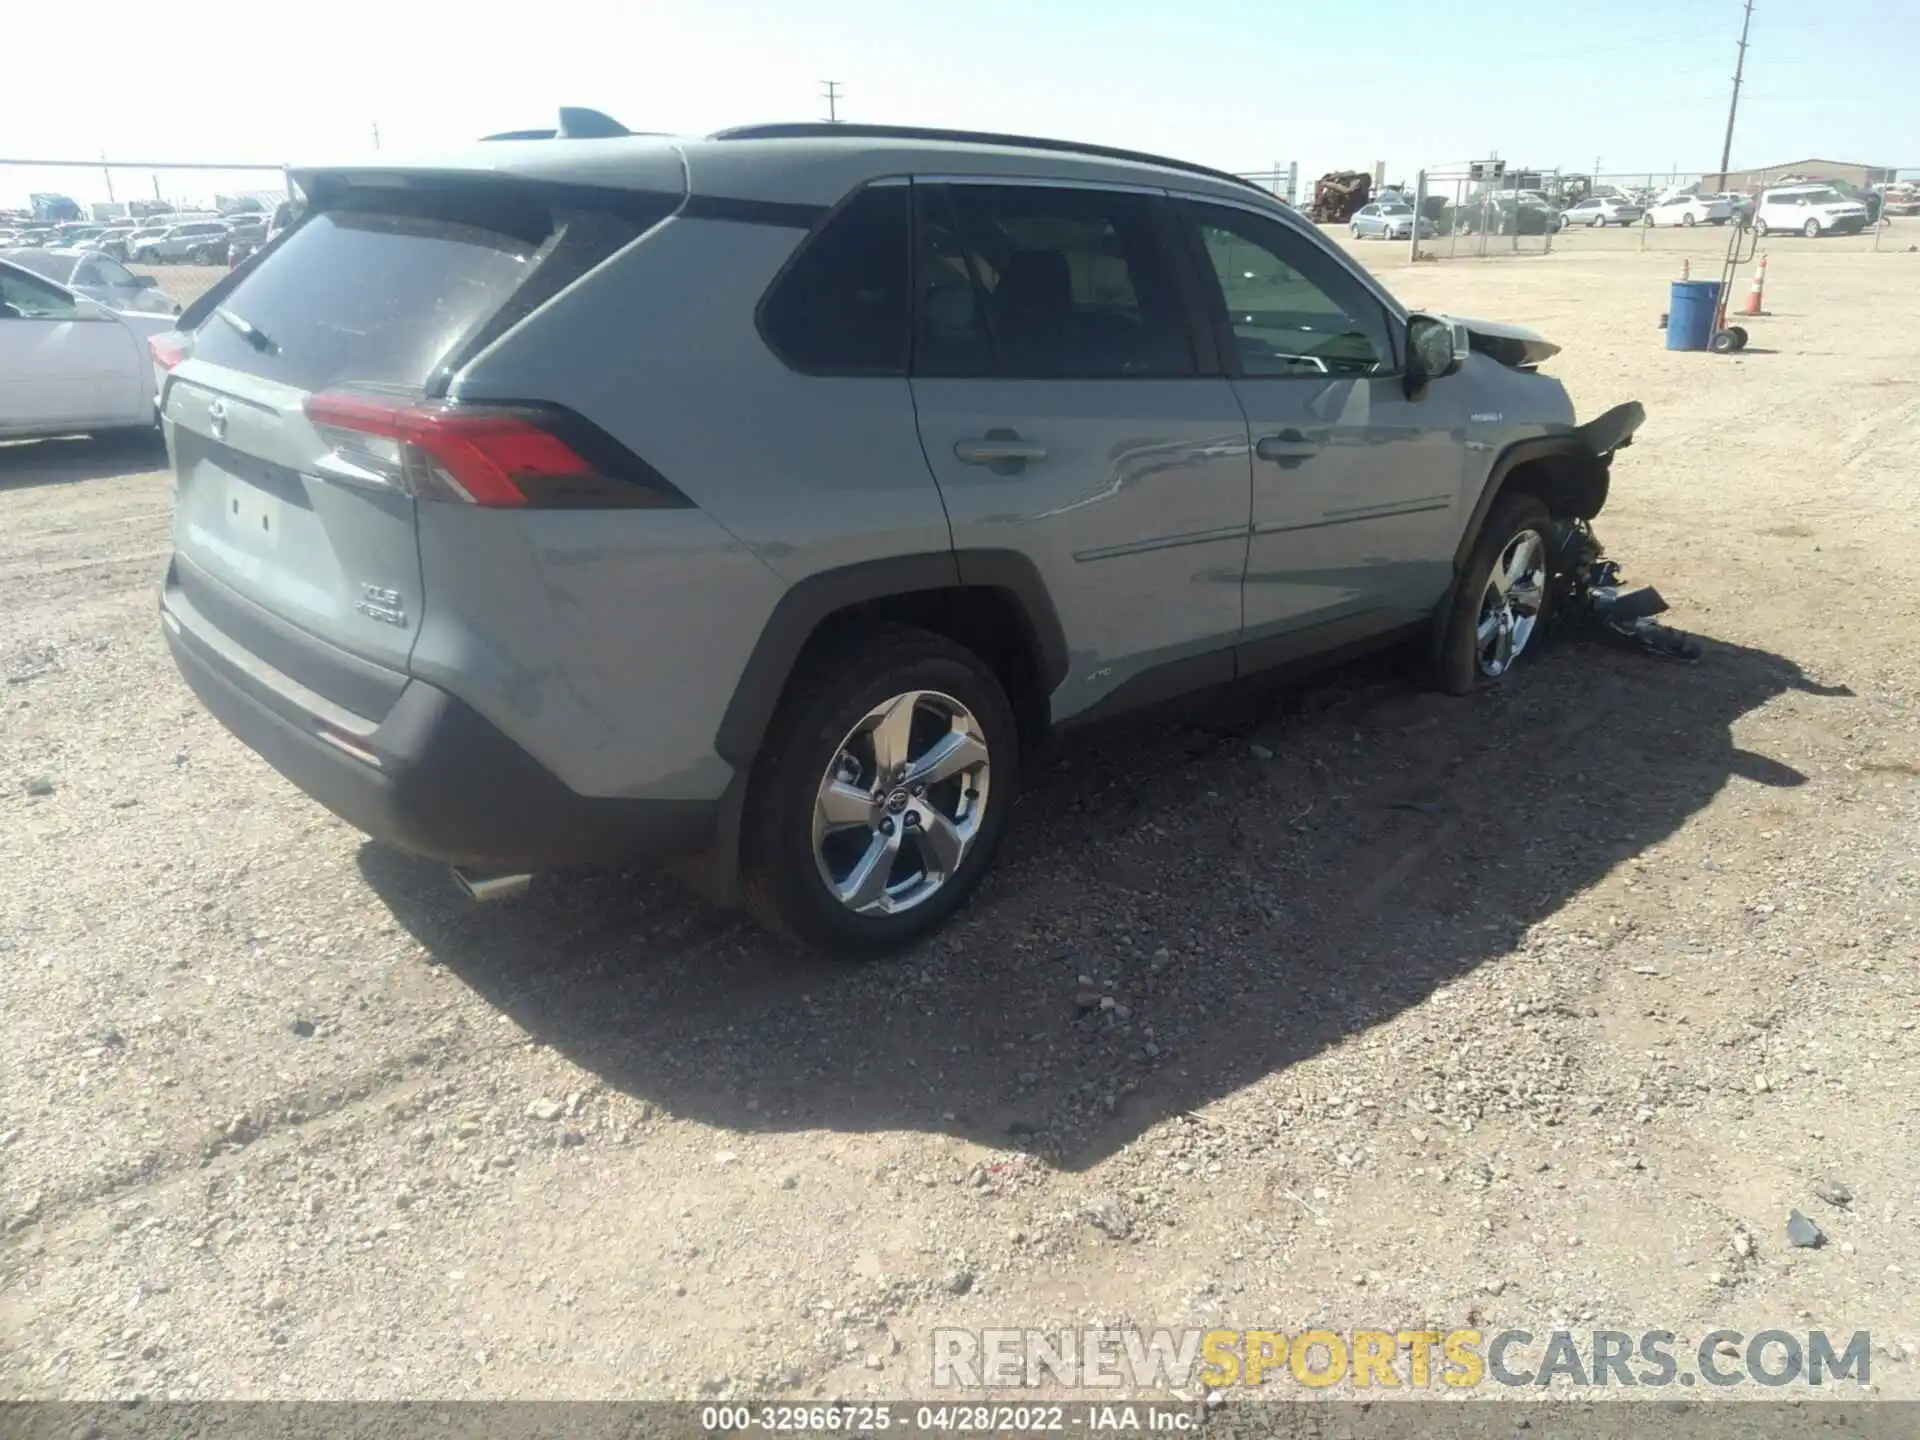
{"x": 26, "y": 464}
{"x": 1248, "y": 882}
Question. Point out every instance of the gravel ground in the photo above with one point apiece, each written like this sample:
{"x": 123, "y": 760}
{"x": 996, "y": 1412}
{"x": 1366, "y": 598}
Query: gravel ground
{"x": 1544, "y": 1007}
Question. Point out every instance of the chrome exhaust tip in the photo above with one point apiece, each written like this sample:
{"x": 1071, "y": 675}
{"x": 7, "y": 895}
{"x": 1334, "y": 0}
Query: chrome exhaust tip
{"x": 485, "y": 889}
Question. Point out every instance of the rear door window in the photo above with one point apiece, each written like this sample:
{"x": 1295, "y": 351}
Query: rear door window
{"x": 1041, "y": 282}
{"x": 378, "y": 289}
{"x": 22, "y": 297}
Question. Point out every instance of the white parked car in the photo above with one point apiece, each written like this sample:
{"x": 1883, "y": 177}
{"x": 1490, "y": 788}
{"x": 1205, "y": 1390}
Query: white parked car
{"x": 98, "y": 277}
{"x": 1812, "y": 210}
{"x": 69, "y": 365}
{"x": 1598, "y": 210}
{"x": 1688, "y": 210}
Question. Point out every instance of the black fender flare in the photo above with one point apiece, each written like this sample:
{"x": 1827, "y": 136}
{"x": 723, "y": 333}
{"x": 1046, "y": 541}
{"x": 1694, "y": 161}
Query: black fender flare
{"x": 809, "y": 602}
{"x": 1586, "y": 455}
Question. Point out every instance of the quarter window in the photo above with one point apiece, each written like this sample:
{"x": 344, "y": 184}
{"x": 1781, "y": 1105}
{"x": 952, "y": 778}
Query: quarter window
{"x": 1026, "y": 281}
{"x": 1290, "y": 307}
{"x": 842, "y": 306}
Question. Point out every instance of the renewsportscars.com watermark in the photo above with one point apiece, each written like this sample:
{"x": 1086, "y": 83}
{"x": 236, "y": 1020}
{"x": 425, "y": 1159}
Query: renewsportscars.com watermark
{"x": 1421, "y": 1359}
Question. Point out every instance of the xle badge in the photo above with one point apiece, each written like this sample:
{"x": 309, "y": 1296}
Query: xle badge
{"x": 382, "y": 605}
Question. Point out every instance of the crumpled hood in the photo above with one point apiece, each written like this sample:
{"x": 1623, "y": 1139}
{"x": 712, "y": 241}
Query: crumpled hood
{"x": 1512, "y": 345}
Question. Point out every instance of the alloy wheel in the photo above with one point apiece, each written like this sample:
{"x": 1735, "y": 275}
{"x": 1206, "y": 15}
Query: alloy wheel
{"x": 1510, "y": 607}
{"x": 901, "y": 803}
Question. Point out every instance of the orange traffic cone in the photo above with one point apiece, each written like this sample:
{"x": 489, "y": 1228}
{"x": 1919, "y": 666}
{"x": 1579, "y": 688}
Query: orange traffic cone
{"x": 1758, "y": 289}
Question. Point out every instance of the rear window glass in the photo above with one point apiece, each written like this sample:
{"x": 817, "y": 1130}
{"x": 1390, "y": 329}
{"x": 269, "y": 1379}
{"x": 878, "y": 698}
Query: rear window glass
{"x": 54, "y": 267}
{"x": 377, "y": 292}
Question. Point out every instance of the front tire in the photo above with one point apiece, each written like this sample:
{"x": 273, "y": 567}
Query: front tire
{"x": 1811, "y": 230}
{"x": 1498, "y": 607}
{"x": 1760, "y": 228}
{"x": 886, "y": 785}
{"x": 1686, "y": 220}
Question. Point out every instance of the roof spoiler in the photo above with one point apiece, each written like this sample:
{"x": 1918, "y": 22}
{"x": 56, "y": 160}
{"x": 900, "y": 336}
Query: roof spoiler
{"x": 576, "y": 123}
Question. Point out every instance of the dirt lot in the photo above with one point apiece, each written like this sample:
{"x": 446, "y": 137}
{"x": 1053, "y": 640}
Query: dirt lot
{"x": 1542, "y": 1008}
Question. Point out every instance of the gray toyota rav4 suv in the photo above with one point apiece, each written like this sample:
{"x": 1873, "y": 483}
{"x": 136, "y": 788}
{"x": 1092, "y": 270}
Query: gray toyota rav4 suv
{"x": 760, "y": 500}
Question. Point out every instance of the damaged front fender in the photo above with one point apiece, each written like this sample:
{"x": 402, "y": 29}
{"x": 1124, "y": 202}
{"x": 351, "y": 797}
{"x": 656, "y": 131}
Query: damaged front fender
{"x": 1570, "y": 471}
{"x": 1612, "y": 431}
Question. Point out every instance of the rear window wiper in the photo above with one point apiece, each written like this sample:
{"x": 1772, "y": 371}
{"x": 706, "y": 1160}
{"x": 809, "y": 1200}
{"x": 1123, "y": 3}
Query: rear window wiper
{"x": 248, "y": 332}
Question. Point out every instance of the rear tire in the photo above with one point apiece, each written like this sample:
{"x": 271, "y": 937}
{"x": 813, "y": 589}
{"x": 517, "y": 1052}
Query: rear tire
{"x": 1462, "y": 644}
{"x": 1760, "y": 228}
{"x": 818, "y": 733}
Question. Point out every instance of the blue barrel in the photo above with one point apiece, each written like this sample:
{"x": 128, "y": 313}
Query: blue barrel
{"x": 1690, "y": 314}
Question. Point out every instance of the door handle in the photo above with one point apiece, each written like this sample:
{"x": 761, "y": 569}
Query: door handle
{"x": 997, "y": 447}
{"x": 1287, "y": 445}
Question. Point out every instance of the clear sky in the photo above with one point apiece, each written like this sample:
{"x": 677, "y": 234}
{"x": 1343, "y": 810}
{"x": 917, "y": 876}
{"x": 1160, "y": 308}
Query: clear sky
{"x": 1640, "y": 84}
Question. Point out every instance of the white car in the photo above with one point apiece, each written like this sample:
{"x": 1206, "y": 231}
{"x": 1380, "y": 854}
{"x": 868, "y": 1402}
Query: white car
{"x": 1688, "y": 210}
{"x": 69, "y": 365}
{"x": 1598, "y": 210}
{"x": 1812, "y": 210}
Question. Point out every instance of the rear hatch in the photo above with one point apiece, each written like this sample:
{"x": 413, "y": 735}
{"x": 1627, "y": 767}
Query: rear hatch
{"x": 306, "y": 417}
{"x": 372, "y": 296}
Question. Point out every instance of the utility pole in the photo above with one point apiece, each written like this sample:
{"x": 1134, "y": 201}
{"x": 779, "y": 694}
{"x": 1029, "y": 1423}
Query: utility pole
{"x": 107, "y": 170}
{"x": 1739, "y": 69}
{"x": 832, "y": 92}
{"x": 376, "y": 134}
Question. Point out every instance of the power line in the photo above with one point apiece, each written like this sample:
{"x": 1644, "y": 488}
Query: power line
{"x": 832, "y": 93}
{"x": 1733, "y": 105}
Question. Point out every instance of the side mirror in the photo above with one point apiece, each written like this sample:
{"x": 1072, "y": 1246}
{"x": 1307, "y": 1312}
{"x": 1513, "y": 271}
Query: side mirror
{"x": 144, "y": 282}
{"x": 1436, "y": 347}
{"x": 85, "y": 309}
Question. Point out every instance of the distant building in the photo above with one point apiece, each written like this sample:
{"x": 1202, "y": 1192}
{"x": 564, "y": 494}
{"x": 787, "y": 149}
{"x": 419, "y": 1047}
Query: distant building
{"x": 1858, "y": 176}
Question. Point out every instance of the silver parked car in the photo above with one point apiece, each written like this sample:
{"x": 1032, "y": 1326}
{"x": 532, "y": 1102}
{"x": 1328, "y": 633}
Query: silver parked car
{"x": 98, "y": 277}
{"x": 196, "y": 242}
{"x": 1599, "y": 210}
{"x": 119, "y": 241}
{"x": 769, "y": 497}
{"x": 1388, "y": 220}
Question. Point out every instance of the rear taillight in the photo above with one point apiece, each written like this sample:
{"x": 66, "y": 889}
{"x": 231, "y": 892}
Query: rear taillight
{"x": 474, "y": 455}
{"x": 168, "y": 350}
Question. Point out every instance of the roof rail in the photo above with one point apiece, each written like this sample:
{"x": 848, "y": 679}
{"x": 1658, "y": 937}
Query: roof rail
{"x": 576, "y": 123}
{"x": 823, "y": 129}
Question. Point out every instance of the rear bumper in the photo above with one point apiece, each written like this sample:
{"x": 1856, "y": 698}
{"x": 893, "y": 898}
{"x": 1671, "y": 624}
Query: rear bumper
{"x": 432, "y": 777}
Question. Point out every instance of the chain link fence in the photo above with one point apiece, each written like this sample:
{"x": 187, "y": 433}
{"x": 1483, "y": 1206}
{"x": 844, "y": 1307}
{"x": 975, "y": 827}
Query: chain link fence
{"x": 1475, "y": 212}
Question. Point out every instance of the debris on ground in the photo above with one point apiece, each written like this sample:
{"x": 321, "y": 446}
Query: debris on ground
{"x": 1592, "y": 600}
{"x": 1834, "y": 1193}
{"x": 1803, "y": 1232}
